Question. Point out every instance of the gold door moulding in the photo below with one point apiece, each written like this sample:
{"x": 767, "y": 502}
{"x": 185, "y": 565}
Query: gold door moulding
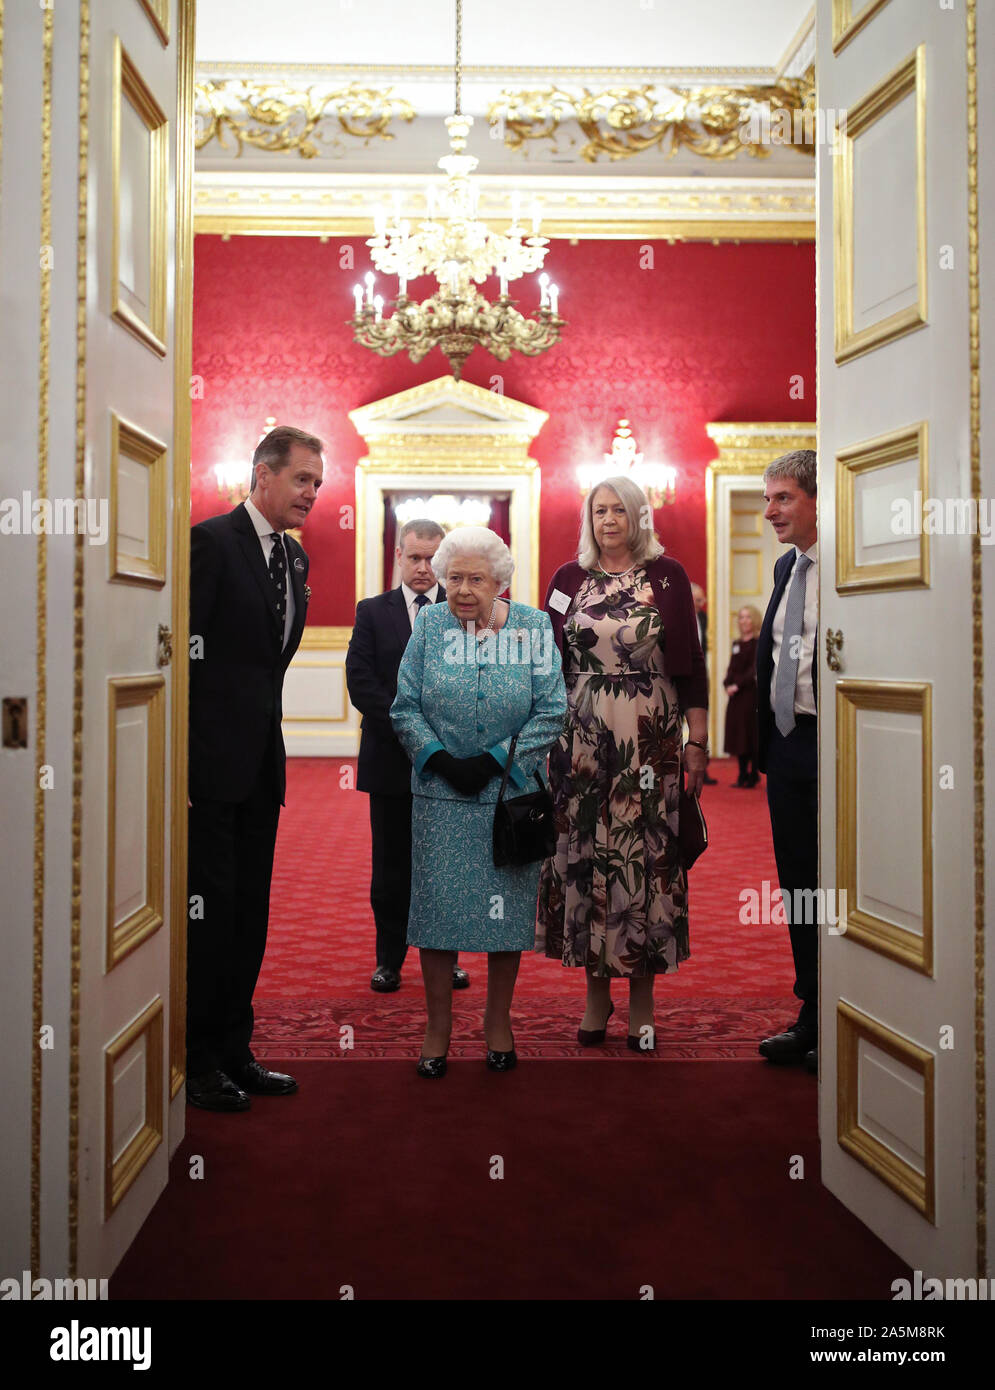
{"x": 977, "y": 642}
{"x": 846, "y": 23}
{"x": 121, "y": 1172}
{"x": 342, "y": 718}
{"x": 712, "y": 122}
{"x": 881, "y": 452}
{"x": 909, "y": 78}
{"x": 852, "y": 1027}
{"x": 278, "y": 119}
{"x": 179, "y": 675}
{"x": 335, "y": 639}
{"x": 878, "y": 933}
{"x": 123, "y": 693}
{"x": 158, "y": 13}
{"x": 128, "y": 85}
{"x": 745, "y": 448}
{"x": 129, "y": 441}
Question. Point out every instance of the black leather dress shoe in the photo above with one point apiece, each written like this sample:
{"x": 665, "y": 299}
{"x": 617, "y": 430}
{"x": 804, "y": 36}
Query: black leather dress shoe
{"x": 255, "y": 1079}
{"x": 789, "y": 1046}
{"x": 213, "y": 1090}
{"x": 432, "y": 1067}
{"x": 384, "y": 980}
{"x": 461, "y": 979}
{"x": 812, "y": 1061}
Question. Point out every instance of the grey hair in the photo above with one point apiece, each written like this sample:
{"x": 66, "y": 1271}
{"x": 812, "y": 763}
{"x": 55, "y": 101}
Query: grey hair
{"x": 424, "y": 529}
{"x": 274, "y": 449}
{"x": 475, "y": 540}
{"x": 800, "y": 464}
{"x": 643, "y": 543}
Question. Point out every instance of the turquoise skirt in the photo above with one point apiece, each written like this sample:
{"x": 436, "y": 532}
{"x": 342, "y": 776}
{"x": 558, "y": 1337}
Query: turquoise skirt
{"x": 459, "y": 900}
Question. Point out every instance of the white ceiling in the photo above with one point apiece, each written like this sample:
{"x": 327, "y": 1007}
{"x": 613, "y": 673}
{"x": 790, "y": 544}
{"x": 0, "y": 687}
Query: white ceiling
{"x": 696, "y": 34}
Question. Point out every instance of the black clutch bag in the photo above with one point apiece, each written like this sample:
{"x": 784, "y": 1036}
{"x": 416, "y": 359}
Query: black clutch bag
{"x": 523, "y": 827}
{"x": 692, "y": 832}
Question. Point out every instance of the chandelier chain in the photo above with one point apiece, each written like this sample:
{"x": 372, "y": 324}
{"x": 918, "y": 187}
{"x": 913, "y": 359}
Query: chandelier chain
{"x": 459, "y": 57}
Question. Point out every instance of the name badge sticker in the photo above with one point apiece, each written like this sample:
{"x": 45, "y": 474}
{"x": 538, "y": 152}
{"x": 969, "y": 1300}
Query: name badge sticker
{"x": 560, "y": 602}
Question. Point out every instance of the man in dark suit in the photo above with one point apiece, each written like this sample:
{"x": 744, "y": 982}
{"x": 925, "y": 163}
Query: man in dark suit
{"x": 248, "y": 605}
{"x": 787, "y": 692}
{"x": 383, "y": 627}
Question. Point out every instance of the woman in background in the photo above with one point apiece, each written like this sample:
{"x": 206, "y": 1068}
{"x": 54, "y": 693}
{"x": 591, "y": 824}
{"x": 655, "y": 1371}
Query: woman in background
{"x": 741, "y": 687}
{"x": 613, "y": 899}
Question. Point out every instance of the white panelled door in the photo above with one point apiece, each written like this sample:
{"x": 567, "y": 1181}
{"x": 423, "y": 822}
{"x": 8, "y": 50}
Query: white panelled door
{"x": 127, "y": 704}
{"x": 897, "y": 1050}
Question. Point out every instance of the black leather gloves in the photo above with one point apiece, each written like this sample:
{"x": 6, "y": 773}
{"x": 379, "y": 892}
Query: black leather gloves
{"x": 465, "y": 775}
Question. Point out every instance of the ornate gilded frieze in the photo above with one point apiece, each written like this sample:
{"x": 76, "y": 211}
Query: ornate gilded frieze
{"x": 273, "y": 117}
{"x": 620, "y": 122}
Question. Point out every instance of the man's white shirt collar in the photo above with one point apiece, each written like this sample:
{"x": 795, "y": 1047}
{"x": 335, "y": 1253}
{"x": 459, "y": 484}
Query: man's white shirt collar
{"x": 264, "y": 528}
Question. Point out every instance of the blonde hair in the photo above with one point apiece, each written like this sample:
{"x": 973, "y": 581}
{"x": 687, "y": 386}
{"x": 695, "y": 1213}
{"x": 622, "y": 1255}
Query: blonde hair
{"x": 643, "y": 543}
{"x": 755, "y": 614}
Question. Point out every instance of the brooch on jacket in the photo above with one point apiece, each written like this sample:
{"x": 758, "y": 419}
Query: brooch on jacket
{"x": 307, "y": 593}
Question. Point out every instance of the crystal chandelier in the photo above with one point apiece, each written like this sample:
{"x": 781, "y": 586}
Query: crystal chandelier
{"x": 461, "y": 252}
{"x": 658, "y": 480}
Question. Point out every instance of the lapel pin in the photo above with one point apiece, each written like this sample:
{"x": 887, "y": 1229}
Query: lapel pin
{"x": 298, "y": 564}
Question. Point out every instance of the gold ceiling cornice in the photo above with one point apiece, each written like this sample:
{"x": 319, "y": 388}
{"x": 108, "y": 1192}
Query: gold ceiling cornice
{"x": 280, "y": 119}
{"x": 435, "y": 72}
{"x": 711, "y": 122}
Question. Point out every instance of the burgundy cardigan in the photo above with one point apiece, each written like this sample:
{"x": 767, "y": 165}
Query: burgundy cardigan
{"x": 684, "y": 660}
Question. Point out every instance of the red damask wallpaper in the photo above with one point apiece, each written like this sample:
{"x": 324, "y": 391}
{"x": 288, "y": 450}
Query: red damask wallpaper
{"x": 672, "y": 339}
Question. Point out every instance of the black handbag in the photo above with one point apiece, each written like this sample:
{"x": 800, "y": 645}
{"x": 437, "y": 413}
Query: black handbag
{"x": 523, "y": 827}
{"x": 692, "y": 832}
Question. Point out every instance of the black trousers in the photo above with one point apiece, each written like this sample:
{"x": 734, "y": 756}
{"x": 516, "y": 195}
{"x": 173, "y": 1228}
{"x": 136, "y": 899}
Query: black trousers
{"x": 793, "y": 801}
{"x": 390, "y": 885}
{"x": 230, "y": 859}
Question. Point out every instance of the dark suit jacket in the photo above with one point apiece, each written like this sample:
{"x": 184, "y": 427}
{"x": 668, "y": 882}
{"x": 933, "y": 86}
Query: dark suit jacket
{"x": 765, "y": 656}
{"x": 236, "y": 686}
{"x": 379, "y": 638}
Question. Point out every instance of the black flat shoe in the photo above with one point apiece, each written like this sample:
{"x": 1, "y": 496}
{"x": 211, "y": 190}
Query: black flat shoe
{"x": 384, "y": 980}
{"x": 590, "y": 1037}
{"x": 258, "y": 1081}
{"x": 432, "y": 1067}
{"x": 639, "y": 1043}
{"x": 214, "y": 1090}
{"x": 461, "y": 979}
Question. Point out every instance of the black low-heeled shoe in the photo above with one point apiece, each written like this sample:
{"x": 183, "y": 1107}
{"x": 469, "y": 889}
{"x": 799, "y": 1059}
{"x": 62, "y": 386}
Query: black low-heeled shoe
{"x": 502, "y": 1061}
{"x": 636, "y": 1043}
{"x": 590, "y": 1037}
{"x": 432, "y": 1067}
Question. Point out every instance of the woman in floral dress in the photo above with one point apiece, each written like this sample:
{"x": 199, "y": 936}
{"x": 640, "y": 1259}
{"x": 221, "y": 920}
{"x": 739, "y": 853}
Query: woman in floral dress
{"x": 613, "y": 899}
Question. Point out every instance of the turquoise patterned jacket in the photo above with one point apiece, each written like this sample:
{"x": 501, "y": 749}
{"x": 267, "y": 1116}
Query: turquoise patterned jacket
{"x": 468, "y": 695}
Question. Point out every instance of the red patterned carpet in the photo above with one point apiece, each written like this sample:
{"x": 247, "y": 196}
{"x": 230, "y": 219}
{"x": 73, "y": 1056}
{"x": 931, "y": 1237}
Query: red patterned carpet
{"x": 314, "y": 1001}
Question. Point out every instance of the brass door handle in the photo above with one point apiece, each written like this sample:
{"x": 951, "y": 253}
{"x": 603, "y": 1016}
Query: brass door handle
{"x": 834, "y": 645}
{"x": 164, "y": 654}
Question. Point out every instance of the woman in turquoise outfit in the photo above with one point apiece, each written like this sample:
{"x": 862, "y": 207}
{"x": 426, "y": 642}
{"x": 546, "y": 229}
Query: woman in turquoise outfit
{"x": 477, "y": 670}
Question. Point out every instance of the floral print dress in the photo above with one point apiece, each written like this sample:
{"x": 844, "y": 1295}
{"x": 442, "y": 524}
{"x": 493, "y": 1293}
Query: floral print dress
{"x": 614, "y": 896}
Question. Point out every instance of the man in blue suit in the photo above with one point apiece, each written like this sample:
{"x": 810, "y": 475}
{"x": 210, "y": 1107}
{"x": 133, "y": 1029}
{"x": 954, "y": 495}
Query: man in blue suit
{"x": 383, "y": 627}
{"x": 787, "y": 693}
